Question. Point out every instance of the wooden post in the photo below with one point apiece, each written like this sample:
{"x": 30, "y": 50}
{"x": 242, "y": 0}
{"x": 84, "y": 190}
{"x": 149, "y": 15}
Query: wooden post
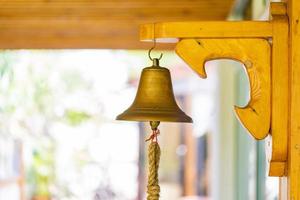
{"x": 293, "y": 177}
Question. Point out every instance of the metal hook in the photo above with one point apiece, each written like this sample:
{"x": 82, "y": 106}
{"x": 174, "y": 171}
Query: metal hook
{"x": 149, "y": 54}
{"x": 154, "y": 45}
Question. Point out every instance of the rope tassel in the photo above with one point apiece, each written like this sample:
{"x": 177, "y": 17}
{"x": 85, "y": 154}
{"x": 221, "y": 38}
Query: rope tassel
{"x": 153, "y": 188}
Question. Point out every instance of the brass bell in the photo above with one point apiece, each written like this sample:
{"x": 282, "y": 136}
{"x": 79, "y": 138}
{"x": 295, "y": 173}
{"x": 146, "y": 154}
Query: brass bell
{"x": 155, "y": 99}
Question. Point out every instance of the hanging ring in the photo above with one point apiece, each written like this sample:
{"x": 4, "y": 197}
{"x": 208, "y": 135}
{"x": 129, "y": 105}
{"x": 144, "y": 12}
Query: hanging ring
{"x": 149, "y": 54}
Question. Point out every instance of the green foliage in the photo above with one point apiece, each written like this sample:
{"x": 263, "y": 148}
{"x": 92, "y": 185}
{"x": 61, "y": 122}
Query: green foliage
{"x": 5, "y": 68}
{"x": 41, "y": 173}
{"x": 42, "y": 94}
{"x": 73, "y": 80}
{"x": 6, "y": 79}
{"x": 74, "y": 117}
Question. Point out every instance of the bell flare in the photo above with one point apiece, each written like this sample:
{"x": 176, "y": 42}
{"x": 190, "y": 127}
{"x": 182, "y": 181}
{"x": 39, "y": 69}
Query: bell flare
{"x": 155, "y": 99}
{"x": 144, "y": 116}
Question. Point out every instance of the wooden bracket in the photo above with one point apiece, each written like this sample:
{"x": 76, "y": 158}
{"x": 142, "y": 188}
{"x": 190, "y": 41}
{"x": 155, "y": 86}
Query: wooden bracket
{"x": 256, "y": 115}
{"x": 262, "y": 46}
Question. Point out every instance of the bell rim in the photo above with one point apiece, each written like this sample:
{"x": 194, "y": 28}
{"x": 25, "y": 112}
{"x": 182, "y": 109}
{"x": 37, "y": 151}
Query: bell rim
{"x": 160, "y": 120}
{"x": 183, "y": 118}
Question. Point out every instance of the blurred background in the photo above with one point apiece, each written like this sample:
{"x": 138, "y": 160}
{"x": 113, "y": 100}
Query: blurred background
{"x": 59, "y": 139}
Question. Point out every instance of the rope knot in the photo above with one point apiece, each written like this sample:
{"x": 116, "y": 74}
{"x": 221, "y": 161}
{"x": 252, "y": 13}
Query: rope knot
{"x": 153, "y": 136}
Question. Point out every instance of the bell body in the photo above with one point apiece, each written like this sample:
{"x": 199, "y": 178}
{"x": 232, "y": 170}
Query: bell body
{"x": 155, "y": 99}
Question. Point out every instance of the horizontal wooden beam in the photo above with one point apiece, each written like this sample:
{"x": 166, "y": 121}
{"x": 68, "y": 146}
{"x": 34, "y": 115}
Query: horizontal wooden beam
{"x": 34, "y": 34}
{"x": 95, "y": 24}
{"x": 206, "y": 29}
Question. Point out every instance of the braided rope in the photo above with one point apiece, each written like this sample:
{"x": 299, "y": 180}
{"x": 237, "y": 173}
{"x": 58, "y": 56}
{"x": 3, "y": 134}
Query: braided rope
{"x": 153, "y": 185}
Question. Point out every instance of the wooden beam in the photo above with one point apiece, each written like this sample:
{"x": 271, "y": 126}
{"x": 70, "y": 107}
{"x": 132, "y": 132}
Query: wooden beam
{"x": 62, "y": 34}
{"x": 94, "y": 24}
{"x": 206, "y": 29}
{"x": 113, "y": 8}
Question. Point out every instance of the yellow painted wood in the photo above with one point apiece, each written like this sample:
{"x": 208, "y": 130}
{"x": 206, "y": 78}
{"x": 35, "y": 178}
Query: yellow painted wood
{"x": 275, "y": 167}
{"x": 278, "y": 168}
{"x": 206, "y": 29}
{"x": 279, "y": 125}
{"x": 255, "y": 116}
{"x": 278, "y": 8}
{"x": 293, "y": 182}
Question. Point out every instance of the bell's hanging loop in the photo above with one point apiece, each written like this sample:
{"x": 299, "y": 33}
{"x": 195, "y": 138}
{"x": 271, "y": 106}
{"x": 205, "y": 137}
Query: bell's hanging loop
{"x": 150, "y": 50}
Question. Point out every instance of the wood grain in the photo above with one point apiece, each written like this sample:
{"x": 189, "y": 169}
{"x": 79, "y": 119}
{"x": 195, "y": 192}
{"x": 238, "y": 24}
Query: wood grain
{"x": 294, "y": 132}
{"x": 280, "y": 94}
{"x": 206, "y": 29}
{"x": 255, "y": 116}
{"x": 93, "y": 23}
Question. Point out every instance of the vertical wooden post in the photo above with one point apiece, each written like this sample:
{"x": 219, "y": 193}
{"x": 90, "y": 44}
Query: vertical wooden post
{"x": 190, "y": 171}
{"x": 21, "y": 181}
{"x": 293, "y": 183}
{"x": 190, "y": 163}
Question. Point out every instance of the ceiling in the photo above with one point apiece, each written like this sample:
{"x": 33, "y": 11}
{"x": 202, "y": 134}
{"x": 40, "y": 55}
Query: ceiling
{"x": 95, "y": 23}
